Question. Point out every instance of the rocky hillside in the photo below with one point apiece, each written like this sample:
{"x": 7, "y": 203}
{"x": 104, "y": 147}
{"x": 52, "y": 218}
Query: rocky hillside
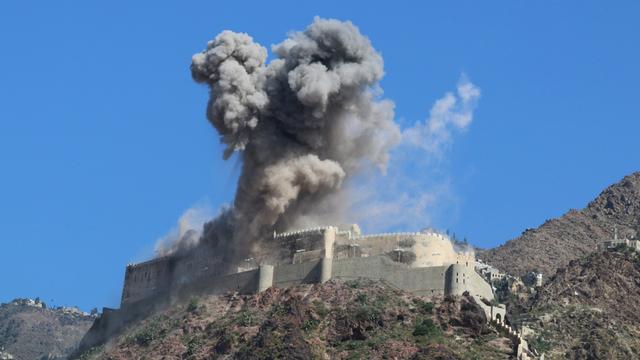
{"x": 336, "y": 320}
{"x": 588, "y": 310}
{"x": 29, "y": 330}
{"x": 573, "y": 235}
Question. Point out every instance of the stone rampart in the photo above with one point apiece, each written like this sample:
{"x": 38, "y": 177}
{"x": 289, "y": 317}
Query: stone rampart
{"x": 312, "y": 255}
{"x": 422, "y": 281}
{"x": 296, "y": 274}
{"x": 452, "y": 279}
{"x": 146, "y": 279}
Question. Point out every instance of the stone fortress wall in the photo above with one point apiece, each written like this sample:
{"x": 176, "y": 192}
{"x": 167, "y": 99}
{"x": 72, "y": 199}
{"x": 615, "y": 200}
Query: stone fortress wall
{"x": 314, "y": 256}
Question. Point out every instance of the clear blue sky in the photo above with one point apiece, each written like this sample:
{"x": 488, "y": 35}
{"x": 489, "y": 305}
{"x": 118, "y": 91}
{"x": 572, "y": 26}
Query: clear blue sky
{"x": 103, "y": 140}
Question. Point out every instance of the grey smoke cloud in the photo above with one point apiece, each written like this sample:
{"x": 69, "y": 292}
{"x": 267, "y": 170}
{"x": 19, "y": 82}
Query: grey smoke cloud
{"x": 285, "y": 180}
{"x": 302, "y": 124}
{"x": 314, "y": 138}
{"x": 232, "y": 66}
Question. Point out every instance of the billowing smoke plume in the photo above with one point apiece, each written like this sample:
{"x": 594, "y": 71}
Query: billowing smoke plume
{"x": 301, "y": 124}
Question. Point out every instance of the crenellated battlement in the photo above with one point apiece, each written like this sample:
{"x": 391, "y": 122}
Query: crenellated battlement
{"x": 147, "y": 263}
{"x": 389, "y": 235}
{"x": 302, "y": 232}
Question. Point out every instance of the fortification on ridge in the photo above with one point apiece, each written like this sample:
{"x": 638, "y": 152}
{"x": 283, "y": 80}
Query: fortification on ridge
{"x": 424, "y": 263}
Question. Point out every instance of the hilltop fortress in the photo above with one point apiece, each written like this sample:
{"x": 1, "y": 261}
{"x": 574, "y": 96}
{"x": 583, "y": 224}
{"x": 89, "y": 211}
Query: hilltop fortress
{"x": 424, "y": 263}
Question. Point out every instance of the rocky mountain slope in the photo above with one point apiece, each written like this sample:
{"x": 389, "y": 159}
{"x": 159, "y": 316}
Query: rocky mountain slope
{"x": 335, "y": 320}
{"x": 573, "y": 235}
{"x": 588, "y": 310}
{"x": 29, "y": 330}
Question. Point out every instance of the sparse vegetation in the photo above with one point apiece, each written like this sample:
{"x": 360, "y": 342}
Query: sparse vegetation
{"x": 354, "y": 284}
{"x": 245, "y": 318}
{"x": 335, "y": 320}
{"x": 426, "y": 307}
{"x": 147, "y": 334}
{"x": 193, "y": 344}
{"x": 425, "y": 327}
{"x": 320, "y": 308}
{"x": 540, "y": 344}
{"x": 367, "y": 313}
{"x": 584, "y": 310}
{"x": 193, "y": 305}
{"x": 91, "y": 352}
{"x": 309, "y": 324}
{"x": 361, "y": 298}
